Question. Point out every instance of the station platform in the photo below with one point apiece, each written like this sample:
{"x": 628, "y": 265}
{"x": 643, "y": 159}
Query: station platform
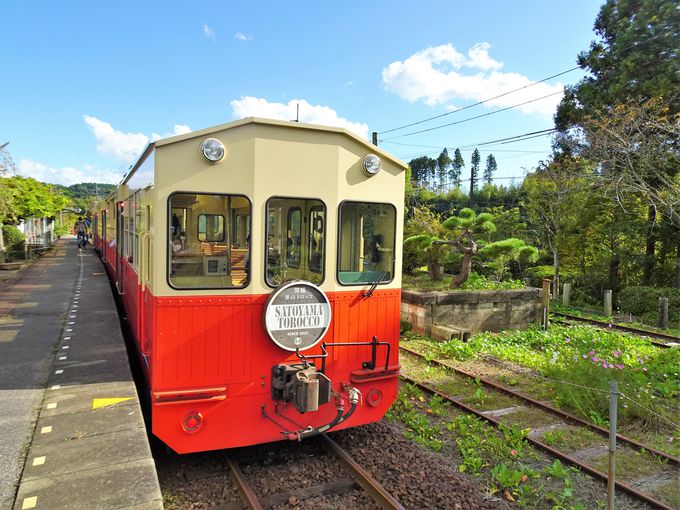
{"x": 72, "y": 433}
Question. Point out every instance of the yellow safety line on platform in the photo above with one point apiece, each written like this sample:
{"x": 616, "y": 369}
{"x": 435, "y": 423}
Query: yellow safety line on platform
{"x": 103, "y": 402}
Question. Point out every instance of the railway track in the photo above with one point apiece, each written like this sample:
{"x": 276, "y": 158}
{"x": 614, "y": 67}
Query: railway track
{"x": 570, "y": 459}
{"x": 357, "y": 476}
{"x": 667, "y": 340}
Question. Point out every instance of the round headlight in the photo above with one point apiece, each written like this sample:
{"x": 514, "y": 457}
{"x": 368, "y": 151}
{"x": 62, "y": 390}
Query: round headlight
{"x": 371, "y": 164}
{"x": 212, "y": 150}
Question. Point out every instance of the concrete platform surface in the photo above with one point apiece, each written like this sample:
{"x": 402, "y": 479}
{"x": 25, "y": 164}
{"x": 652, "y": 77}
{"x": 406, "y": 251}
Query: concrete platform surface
{"x": 72, "y": 433}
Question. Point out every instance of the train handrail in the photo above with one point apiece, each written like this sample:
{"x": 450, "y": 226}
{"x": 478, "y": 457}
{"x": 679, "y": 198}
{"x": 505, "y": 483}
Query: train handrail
{"x": 144, "y": 259}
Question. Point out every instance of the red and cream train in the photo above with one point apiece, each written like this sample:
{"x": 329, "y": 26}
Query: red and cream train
{"x": 258, "y": 264}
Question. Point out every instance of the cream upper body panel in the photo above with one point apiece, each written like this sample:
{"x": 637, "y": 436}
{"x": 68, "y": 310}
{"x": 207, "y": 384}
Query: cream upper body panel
{"x": 267, "y": 159}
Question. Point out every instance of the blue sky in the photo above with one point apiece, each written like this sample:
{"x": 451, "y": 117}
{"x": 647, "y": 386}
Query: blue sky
{"x": 87, "y": 84}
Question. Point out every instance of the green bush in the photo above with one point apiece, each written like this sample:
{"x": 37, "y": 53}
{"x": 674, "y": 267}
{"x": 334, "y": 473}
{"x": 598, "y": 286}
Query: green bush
{"x": 14, "y": 242}
{"x": 644, "y": 302}
{"x": 536, "y": 275}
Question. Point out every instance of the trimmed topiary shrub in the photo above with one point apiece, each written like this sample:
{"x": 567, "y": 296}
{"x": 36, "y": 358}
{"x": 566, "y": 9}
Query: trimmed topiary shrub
{"x": 644, "y": 302}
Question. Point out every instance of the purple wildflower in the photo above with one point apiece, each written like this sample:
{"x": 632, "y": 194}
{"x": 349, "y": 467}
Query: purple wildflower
{"x": 616, "y": 354}
{"x": 592, "y": 353}
{"x": 620, "y": 367}
{"x": 604, "y": 365}
{"x": 610, "y": 365}
{"x": 596, "y": 359}
{"x": 567, "y": 340}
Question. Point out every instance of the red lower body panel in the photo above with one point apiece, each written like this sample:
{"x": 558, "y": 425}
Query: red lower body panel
{"x": 212, "y": 358}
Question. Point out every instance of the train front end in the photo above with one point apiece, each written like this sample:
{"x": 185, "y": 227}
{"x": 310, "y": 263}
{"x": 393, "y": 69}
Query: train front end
{"x": 271, "y": 306}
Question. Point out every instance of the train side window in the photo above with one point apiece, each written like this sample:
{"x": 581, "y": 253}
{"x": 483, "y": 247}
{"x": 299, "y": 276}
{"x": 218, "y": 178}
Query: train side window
{"x": 317, "y": 238}
{"x": 366, "y": 243}
{"x": 211, "y": 228}
{"x": 205, "y": 249}
{"x": 295, "y": 240}
{"x": 294, "y": 236}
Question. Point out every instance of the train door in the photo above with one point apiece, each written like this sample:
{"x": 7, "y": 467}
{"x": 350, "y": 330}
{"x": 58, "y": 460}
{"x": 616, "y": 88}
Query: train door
{"x": 103, "y": 238}
{"x": 144, "y": 271}
{"x": 120, "y": 237}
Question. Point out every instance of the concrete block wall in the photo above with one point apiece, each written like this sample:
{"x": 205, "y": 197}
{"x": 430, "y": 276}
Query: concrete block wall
{"x": 474, "y": 311}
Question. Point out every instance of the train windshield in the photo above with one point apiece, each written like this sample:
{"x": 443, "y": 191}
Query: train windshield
{"x": 366, "y": 243}
{"x": 296, "y": 240}
{"x": 208, "y": 241}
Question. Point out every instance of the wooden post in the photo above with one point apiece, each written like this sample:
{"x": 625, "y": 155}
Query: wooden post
{"x": 566, "y": 294}
{"x": 545, "y": 302}
{"x": 663, "y": 312}
{"x": 608, "y": 303}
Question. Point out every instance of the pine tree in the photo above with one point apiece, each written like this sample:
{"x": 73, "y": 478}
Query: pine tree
{"x": 491, "y": 167}
{"x": 474, "y": 172}
{"x": 456, "y": 168}
{"x": 443, "y": 162}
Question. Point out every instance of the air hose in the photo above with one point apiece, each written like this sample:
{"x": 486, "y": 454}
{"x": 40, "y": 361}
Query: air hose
{"x": 354, "y": 395}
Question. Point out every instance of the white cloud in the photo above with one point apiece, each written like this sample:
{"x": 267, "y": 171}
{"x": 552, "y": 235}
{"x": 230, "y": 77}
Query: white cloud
{"x": 66, "y": 175}
{"x": 243, "y": 37}
{"x": 208, "y": 32}
{"x": 440, "y": 74}
{"x": 124, "y": 147}
{"x": 313, "y": 114}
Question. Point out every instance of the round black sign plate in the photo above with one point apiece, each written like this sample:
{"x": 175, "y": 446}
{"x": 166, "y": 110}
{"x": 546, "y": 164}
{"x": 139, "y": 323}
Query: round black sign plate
{"x": 297, "y": 315}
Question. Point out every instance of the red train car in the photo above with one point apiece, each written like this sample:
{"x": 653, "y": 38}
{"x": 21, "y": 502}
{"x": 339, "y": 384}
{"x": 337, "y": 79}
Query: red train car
{"x": 258, "y": 264}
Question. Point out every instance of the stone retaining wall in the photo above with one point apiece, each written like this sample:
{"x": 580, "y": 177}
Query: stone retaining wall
{"x": 473, "y": 311}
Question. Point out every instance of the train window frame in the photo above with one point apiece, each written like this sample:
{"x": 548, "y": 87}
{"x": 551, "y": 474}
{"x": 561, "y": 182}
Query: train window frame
{"x": 339, "y": 246}
{"x": 309, "y": 241}
{"x": 266, "y": 233}
{"x": 168, "y": 254}
{"x": 206, "y": 240}
{"x": 289, "y": 227}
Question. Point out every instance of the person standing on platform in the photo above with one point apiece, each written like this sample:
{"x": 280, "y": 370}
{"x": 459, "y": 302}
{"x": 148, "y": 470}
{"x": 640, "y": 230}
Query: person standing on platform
{"x": 81, "y": 233}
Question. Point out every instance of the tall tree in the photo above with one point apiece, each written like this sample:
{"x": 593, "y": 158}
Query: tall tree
{"x": 490, "y": 169}
{"x": 457, "y": 168}
{"x": 474, "y": 172}
{"x": 552, "y": 198}
{"x": 637, "y": 56}
{"x": 443, "y": 162}
{"x": 422, "y": 168}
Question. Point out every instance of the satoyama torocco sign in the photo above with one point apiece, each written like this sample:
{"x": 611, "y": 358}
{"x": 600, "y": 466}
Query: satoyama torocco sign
{"x": 297, "y": 315}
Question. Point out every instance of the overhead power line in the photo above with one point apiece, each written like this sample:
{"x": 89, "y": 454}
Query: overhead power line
{"x": 479, "y": 102}
{"x": 473, "y": 118}
{"x": 632, "y": 45}
{"x": 501, "y": 141}
{"x": 512, "y": 139}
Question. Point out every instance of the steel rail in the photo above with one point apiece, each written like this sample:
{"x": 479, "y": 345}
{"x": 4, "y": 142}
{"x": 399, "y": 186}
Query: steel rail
{"x": 544, "y": 447}
{"x": 627, "y": 329}
{"x": 376, "y": 491}
{"x": 246, "y": 492}
{"x": 547, "y": 407}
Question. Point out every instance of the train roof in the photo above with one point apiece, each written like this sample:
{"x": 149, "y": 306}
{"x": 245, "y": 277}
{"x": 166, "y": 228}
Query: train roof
{"x": 284, "y": 124}
{"x": 254, "y": 121}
